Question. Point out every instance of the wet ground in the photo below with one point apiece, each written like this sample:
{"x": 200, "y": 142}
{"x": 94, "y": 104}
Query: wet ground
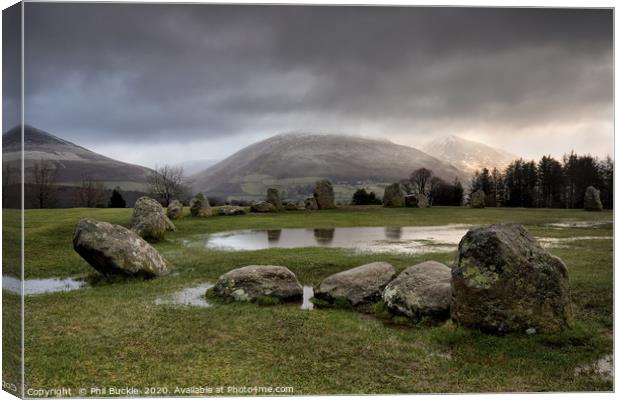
{"x": 408, "y": 240}
{"x": 40, "y": 286}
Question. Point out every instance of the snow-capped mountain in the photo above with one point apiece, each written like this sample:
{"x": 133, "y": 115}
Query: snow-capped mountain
{"x": 467, "y": 155}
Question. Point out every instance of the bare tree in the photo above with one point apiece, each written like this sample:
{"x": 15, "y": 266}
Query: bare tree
{"x": 43, "y": 178}
{"x": 8, "y": 173}
{"x": 91, "y": 193}
{"x": 166, "y": 183}
{"x": 421, "y": 179}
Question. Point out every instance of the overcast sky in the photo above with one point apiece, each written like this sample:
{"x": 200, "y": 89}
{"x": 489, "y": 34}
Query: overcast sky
{"x": 155, "y": 84}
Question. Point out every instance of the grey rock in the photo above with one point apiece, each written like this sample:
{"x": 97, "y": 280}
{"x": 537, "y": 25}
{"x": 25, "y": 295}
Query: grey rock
{"x": 231, "y": 210}
{"x": 262, "y": 207}
{"x": 324, "y": 195}
{"x": 149, "y": 220}
{"x": 422, "y": 201}
{"x": 273, "y": 197}
{"x": 310, "y": 204}
{"x": 592, "y": 200}
{"x": 393, "y": 196}
{"x": 113, "y": 249}
{"x": 477, "y": 199}
{"x": 199, "y": 206}
{"x": 419, "y": 291}
{"x": 358, "y": 286}
{"x": 255, "y": 281}
{"x": 504, "y": 281}
{"x": 175, "y": 209}
{"x": 294, "y": 206}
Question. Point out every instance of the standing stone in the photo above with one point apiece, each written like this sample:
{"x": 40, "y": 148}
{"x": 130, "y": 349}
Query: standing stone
{"x": 310, "y": 204}
{"x": 113, "y": 249}
{"x": 422, "y": 201}
{"x": 592, "y": 200}
{"x": 273, "y": 197}
{"x": 422, "y": 290}
{"x": 393, "y": 196}
{"x": 262, "y": 207}
{"x": 504, "y": 281}
{"x": 356, "y": 286}
{"x": 149, "y": 220}
{"x": 477, "y": 199}
{"x": 175, "y": 209}
{"x": 199, "y": 206}
{"x": 324, "y": 195}
{"x": 255, "y": 281}
{"x": 231, "y": 210}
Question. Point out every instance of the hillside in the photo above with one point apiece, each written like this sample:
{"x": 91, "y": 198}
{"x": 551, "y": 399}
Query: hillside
{"x": 72, "y": 163}
{"x": 467, "y": 155}
{"x": 293, "y": 162}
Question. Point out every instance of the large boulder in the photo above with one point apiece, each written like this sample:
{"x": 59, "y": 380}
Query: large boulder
{"x": 254, "y": 282}
{"x": 592, "y": 200}
{"x": 476, "y": 199}
{"x": 504, "y": 281}
{"x": 175, "y": 209}
{"x": 393, "y": 196}
{"x": 310, "y": 204}
{"x": 231, "y": 210}
{"x": 262, "y": 207}
{"x": 419, "y": 291}
{"x": 358, "y": 286}
{"x": 422, "y": 201}
{"x": 324, "y": 195}
{"x": 199, "y": 206}
{"x": 149, "y": 220}
{"x": 113, "y": 249}
{"x": 273, "y": 197}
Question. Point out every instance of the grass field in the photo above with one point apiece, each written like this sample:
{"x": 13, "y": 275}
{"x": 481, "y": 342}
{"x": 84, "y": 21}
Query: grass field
{"x": 115, "y": 335}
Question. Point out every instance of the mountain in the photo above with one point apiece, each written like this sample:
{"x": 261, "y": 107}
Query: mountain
{"x": 71, "y": 162}
{"x": 192, "y": 167}
{"x": 293, "y": 162}
{"x": 467, "y": 155}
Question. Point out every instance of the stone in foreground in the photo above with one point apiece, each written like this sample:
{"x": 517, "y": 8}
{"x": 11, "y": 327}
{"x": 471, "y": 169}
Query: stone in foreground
{"x": 273, "y": 197}
{"x": 258, "y": 281}
{"x": 592, "y": 200}
{"x": 199, "y": 206}
{"x": 422, "y": 201}
{"x": 358, "y": 286}
{"x": 149, "y": 220}
{"x": 231, "y": 210}
{"x": 393, "y": 196}
{"x": 112, "y": 249}
{"x": 175, "y": 209}
{"x": 477, "y": 199}
{"x": 504, "y": 281}
{"x": 324, "y": 195}
{"x": 262, "y": 207}
{"x": 422, "y": 290}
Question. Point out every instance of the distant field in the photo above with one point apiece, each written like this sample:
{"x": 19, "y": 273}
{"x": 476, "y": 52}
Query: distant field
{"x": 115, "y": 335}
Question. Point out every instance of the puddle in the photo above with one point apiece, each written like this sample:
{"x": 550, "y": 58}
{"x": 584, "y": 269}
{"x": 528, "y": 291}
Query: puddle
{"x": 604, "y": 367}
{"x": 407, "y": 240}
{"x": 579, "y": 224}
{"x": 565, "y": 242}
{"x": 194, "y": 296}
{"x": 306, "y": 304}
{"x": 40, "y": 286}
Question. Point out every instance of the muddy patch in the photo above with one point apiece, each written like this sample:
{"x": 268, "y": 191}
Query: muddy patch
{"x": 41, "y": 286}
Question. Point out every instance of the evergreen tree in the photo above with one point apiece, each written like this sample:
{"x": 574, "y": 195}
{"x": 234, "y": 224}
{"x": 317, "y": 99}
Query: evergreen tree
{"x": 117, "y": 200}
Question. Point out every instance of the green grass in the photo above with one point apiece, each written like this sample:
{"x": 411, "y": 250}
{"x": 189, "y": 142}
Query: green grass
{"x": 115, "y": 335}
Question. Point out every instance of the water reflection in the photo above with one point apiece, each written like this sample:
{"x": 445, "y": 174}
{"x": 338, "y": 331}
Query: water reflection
{"x": 273, "y": 235}
{"x": 324, "y": 236}
{"x": 409, "y": 240}
{"x": 393, "y": 232}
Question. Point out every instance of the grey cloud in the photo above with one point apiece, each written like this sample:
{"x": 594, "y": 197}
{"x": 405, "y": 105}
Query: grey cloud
{"x": 126, "y": 72}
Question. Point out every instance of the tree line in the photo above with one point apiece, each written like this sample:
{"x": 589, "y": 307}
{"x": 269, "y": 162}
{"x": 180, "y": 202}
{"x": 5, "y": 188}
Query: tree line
{"x": 548, "y": 183}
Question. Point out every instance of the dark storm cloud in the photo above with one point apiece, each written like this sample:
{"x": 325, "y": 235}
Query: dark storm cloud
{"x": 127, "y": 72}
